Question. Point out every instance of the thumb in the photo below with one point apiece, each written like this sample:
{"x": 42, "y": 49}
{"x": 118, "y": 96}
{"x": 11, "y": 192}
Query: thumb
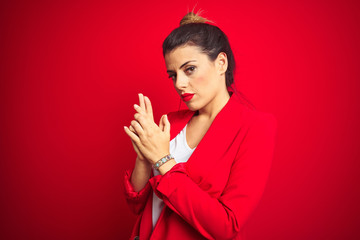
{"x": 161, "y": 123}
{"x": 167, "y": 125}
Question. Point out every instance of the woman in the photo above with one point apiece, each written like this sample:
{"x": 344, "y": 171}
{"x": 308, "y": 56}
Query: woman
{"x": 200, "y": 173}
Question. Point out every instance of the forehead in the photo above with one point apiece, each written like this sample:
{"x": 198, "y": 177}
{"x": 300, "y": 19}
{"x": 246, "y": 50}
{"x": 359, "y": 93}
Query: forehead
{"x": 182, "y": 54}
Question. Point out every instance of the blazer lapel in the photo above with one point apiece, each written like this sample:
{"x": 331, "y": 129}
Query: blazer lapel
{"x": 178, "y": 121}
{"x": 213, "y": 147}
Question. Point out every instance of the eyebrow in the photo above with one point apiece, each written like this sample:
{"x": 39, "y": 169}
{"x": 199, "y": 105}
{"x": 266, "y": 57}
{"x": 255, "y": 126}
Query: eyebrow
{"x": 182, "y": 65}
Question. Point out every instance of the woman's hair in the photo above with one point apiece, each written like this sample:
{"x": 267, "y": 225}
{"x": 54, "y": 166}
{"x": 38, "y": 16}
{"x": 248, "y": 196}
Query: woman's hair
{"x": 195, "y": 31}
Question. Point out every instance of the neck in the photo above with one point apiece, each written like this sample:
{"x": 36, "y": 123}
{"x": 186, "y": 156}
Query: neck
{"x": 214, "y": 107}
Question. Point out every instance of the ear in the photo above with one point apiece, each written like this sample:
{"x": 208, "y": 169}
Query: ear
{"x": 222, "y": 63}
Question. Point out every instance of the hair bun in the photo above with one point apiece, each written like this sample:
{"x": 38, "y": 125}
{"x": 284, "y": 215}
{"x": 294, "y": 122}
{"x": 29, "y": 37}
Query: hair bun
{"x": 192, "y": 17}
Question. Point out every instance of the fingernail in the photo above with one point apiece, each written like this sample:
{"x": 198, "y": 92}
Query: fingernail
{"x": 136, "y": 106}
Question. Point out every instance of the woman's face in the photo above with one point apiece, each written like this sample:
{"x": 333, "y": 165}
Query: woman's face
{"x": 198, "y": 80}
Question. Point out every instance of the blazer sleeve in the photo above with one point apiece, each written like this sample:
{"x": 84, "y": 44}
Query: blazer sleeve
{"x": 223, "y": 217}
{"x": 135, "y": 200}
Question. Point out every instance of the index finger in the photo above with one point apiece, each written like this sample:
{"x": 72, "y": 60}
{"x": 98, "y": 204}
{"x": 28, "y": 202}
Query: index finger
{"x": 141, "y": 101}
{"x": 148, "y": 107}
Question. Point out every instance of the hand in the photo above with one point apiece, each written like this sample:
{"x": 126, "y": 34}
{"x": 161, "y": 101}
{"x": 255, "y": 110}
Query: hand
{"x": 150, "y": 140}
{"x": 145, "y": 104}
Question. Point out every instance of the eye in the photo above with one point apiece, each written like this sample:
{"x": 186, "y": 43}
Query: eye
{"x": 173, "y": 77}
{"x": 190, "y": 69}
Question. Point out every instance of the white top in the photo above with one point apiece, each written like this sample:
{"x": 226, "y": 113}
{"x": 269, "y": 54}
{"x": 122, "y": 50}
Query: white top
{"x": 181, "y": 152}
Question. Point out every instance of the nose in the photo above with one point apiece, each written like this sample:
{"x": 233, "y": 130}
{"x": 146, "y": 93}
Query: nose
{"x": 182, "y": 81}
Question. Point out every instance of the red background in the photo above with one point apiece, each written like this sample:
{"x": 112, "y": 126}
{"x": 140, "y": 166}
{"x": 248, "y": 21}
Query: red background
{"x": 70, "y": 73}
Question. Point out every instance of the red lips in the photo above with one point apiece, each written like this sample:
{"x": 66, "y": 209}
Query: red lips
{"x": 187, "y": 96}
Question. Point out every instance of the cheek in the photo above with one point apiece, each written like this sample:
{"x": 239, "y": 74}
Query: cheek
{"x": 201, "y": 79}
{"x": 204, "y": 81}
{"x": 205, "y": 76}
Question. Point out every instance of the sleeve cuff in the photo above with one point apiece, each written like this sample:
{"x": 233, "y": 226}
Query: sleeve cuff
{"x": 163, "y": 185}
{"x": 130, "y": 193}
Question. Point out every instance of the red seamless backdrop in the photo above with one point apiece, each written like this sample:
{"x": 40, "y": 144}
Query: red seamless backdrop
{"x": 70, "y": 72}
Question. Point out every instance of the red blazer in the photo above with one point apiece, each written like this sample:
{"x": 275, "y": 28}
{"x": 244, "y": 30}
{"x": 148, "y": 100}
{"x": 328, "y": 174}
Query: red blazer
{"x": 211, "y": 195}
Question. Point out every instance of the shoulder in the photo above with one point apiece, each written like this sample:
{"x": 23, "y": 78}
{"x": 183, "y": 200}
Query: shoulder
{"x": 259, "y": 119}
{"x": 257, "y": 136}
{"x": 260, "y": 127}
{"x": 254, "y": 118}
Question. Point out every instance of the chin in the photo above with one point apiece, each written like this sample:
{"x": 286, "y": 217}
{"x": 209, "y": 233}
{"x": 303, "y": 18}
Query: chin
{"x": 192, "y": 107}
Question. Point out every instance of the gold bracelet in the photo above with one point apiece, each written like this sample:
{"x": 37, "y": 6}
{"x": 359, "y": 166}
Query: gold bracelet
{"x": 162, "y": 161}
